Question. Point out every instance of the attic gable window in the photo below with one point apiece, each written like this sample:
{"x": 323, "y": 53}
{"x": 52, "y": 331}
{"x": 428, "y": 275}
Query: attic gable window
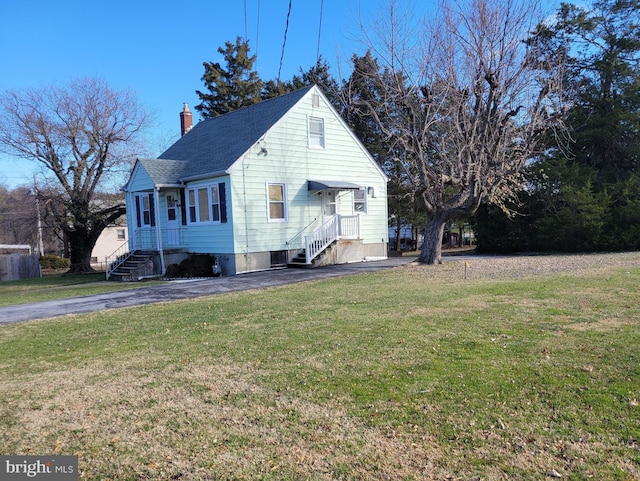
{"x": 316, "y": 132}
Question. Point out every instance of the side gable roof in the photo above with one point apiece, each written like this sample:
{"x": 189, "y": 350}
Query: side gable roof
{"x": 213, "y": 145}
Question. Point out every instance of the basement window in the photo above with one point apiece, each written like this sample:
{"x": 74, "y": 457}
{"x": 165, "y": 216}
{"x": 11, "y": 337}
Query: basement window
{"x": 278, "y": 258}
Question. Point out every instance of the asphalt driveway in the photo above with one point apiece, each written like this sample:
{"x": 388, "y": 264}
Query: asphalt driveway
{"x": 186, "y": 289}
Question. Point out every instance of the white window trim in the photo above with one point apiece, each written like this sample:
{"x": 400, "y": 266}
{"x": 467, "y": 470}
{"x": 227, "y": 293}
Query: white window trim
{"x": 140, "y": 213}
{"x": 215, "y": 202}
{"x": 285, "y": 202}
{"x": 364, "y": 201}
{"x": 313, "y": 145}
{"x": 196, "y": 204}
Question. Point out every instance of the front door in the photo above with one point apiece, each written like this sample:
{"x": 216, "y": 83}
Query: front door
{"x": 328, "y": 204}
{"x": 173, "y": 219}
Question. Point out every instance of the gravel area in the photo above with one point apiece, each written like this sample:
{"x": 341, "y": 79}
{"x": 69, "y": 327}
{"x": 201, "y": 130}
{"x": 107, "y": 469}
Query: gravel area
{"x": 508, "y": 267}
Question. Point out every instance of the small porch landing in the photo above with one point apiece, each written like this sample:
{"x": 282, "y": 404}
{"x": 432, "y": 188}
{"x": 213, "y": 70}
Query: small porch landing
{"x": 326, "y": 245}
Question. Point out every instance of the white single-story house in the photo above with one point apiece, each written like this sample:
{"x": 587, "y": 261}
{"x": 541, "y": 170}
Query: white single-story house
{"x": 280, "y": 183}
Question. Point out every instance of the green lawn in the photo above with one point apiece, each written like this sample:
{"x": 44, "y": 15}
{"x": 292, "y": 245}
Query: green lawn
{"x": 410, "y": 373}
{"x": 60, "y": 287}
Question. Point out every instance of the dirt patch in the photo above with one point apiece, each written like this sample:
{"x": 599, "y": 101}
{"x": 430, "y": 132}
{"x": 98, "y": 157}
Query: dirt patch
{"x": 601, "y": 325}
{"x": 522, "y": 266}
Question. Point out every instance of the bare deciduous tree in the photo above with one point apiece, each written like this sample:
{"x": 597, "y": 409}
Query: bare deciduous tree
{"x": 81, "y": 135}
{"x": 467, "y": 98}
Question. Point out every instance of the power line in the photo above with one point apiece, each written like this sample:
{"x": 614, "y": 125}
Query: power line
{"x": 257, "y": 32}
{"x": 319, "y": 30}
{"x": 246, "y": 36}
{"x": 284, "y": 42}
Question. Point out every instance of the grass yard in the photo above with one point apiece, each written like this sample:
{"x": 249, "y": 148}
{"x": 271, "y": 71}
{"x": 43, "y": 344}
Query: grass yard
{"x": 408, "y": 374}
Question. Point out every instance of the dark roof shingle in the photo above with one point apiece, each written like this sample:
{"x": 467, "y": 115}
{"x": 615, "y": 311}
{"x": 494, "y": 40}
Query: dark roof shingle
{"x": 213, "y": 145}
{"x": 163, "y": 171}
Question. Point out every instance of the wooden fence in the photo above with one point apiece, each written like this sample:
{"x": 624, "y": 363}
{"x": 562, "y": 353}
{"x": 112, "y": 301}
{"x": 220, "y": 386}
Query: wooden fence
{"x": 19, "y": 266}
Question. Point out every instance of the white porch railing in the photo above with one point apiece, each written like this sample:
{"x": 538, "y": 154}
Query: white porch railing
{"x": 116, "y": 258}
{"x": 319, "y": 240}
{"x": 349, "y": 226}
{"x": 145, "y": 239}
{"x": 173, "y": 237}
{"x": 337, "y": 227}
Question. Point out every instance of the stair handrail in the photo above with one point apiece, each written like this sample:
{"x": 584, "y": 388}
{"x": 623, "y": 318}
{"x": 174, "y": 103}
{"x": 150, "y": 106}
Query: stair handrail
{"x": 321, "y": 238}
{"x": 301, "y": 231}
{"x": 117, "y": 258}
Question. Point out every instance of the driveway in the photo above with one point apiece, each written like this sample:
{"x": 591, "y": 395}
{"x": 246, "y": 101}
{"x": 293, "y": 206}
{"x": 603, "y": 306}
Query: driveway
{"x": 187, "y": 289}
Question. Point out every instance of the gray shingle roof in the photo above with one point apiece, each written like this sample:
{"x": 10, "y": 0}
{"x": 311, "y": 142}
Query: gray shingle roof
{"x": 213, "y": 145}
{"x": 163, "y": 171}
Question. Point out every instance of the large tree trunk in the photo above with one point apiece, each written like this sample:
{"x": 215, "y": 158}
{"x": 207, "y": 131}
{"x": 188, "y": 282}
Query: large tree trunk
{"x": 81, "y": 244}
{"x": 431, "y": 252}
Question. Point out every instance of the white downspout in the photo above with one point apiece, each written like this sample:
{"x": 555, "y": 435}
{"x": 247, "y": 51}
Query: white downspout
{"x": 131, "y": 216}
{"x": 156, "y": 200}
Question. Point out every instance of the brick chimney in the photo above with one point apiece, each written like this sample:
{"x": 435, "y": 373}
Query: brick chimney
{"x": 186, "y": 119}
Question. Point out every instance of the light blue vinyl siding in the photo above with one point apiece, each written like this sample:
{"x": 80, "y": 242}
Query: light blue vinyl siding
{"x": 291, "y": 161}
{"x": 211, "y": 237}
{"x": 140, "y": 180}
{"x": 138, "y": 183}
{"x": 283, "y": 156}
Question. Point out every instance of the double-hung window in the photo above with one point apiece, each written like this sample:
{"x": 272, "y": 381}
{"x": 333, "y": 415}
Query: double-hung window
{"x": 360, "y": 201}
{"x": 215, "y": 203}
{"x": 198, "y": 199}
{"x": 203, "y": 204}
{"x": 193, "y": 208}
{"x": 206, "y": 204}
{"x": 316, "y": 132}
{"x": 145, "y": 210}
{"x": 277, "y": 200}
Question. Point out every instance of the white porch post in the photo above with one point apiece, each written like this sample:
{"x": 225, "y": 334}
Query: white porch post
{"x": 156, "y": 201}
{"x": 130, "y": 204}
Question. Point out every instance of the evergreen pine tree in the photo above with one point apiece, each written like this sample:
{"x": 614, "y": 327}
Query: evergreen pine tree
{"x": 233, "y": 86}
{"x": 583, "y": 195}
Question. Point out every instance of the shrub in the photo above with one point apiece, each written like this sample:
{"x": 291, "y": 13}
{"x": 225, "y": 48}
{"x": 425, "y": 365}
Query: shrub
{"x": 197, "y": 265}
{"x": 54, "y": 262}
{"x": 173, "y": 270}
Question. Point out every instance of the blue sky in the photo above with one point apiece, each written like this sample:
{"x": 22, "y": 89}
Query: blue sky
{"x": 157, "y": 48}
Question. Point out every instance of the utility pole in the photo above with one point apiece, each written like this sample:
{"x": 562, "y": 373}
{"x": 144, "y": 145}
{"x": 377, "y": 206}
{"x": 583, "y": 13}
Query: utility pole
{"x": 40, "y": 242}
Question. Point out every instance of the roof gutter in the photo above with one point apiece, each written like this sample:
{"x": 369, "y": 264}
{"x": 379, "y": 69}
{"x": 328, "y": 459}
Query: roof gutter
{"x": 208, "y": 175}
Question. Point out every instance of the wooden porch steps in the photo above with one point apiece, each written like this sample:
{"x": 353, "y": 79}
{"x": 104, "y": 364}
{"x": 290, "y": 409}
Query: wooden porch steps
{"x": 300, "y": 260}
{"x": 137, "y": 266}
